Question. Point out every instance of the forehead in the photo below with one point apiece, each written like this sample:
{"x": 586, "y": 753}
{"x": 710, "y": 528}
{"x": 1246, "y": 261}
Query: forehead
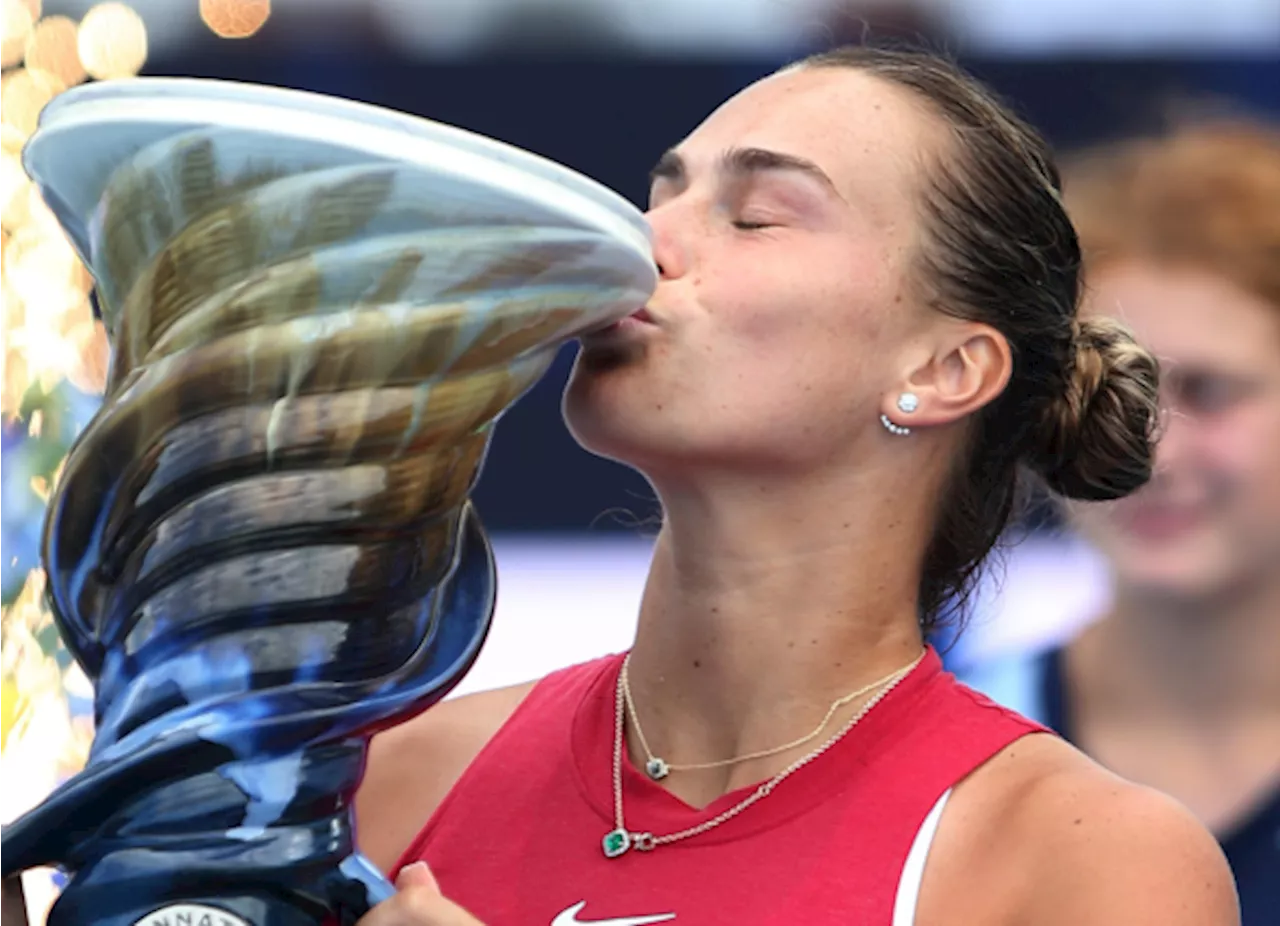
{"x": 1188, "y": 316}
{"x": 866, "y": 134}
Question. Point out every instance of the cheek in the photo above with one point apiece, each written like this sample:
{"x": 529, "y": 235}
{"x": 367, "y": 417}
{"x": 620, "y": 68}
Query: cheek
{"x": 802, "y": 307}
{"x": 1242, "y": 447}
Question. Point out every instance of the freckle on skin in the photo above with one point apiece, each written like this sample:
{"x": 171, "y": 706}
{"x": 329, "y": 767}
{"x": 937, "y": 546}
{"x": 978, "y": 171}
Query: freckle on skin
{"x": 697, "y": 664}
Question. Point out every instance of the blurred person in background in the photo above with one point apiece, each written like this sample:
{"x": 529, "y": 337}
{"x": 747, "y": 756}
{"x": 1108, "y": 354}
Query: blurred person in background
{"x": 865, "y": 328}
{"x": 1177, "y": 685}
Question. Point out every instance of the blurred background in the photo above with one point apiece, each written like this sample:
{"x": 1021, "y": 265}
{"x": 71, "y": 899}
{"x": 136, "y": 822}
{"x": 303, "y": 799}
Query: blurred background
{"x": 603, "y": 86}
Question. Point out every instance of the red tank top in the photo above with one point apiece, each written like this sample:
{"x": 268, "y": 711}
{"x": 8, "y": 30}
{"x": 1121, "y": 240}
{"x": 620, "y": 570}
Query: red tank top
{"x": 518, "y": 839}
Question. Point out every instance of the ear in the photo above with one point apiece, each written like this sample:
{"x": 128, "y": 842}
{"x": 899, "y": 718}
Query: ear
{"x": 968, "y": 366}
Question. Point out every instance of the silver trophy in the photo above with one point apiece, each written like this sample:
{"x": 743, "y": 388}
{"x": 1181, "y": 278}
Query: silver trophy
{"x": 261, "y": 550}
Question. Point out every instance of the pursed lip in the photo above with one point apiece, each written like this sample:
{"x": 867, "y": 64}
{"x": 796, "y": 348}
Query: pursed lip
{"x": 636, "y": 321}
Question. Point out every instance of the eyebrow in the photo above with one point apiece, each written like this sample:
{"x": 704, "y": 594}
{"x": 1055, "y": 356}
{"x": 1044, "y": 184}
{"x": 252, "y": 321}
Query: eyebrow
{"x": 745, "y": 161}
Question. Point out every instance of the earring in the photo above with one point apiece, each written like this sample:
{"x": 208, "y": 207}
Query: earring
{"x": 907, "y": 403}
{"x": 893, "y": 428}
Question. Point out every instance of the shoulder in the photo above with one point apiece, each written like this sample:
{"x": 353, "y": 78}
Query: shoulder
{"x": 412, "y": 766}
{"x": 1113, "y": 851}
{"x": 1068, "y": 842}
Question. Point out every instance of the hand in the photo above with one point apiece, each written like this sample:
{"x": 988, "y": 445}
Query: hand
{"x": 418, "y": 902}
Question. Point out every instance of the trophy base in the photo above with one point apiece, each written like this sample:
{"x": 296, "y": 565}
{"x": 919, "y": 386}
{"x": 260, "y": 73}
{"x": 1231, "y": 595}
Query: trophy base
{"x": 212, "y": 910}
{"x": 337, "y": 898}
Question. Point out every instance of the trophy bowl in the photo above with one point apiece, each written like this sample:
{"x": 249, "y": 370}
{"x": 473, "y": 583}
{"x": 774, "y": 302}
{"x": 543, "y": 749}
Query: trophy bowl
{"x": 262, "y": 549}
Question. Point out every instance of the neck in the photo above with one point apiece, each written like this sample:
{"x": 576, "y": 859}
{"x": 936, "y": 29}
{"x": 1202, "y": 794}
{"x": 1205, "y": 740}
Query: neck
{"x": 1203, "y": 660}
{"x": 764, "y": 604}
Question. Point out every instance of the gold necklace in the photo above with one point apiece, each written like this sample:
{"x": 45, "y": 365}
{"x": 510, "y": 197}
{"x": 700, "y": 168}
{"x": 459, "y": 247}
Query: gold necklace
{"x": 658, "y": 768}
{"x": 618, "y": 840}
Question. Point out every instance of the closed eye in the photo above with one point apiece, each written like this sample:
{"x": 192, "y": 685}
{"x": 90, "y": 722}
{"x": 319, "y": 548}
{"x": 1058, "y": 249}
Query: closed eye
{"x": 752, "y": 226}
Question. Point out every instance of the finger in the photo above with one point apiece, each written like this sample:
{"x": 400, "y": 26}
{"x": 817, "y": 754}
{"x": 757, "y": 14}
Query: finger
{"x": 415, "y": 905}
{"x": 437, "y": 911}
{"x": 420, "y": 905}
{"x": 416, "y": 875}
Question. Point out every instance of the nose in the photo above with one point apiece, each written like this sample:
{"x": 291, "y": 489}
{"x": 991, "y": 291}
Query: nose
{"x": 669, "y": 250}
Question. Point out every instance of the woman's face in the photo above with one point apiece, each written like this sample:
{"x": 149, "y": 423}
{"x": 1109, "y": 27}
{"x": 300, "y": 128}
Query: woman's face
{"x": 1209, "y": 520}
{"x": 784, "y": 228}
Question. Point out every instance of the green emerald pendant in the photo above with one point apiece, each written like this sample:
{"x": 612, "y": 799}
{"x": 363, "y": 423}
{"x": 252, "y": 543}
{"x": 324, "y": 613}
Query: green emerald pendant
{"x": 615, "y": 843}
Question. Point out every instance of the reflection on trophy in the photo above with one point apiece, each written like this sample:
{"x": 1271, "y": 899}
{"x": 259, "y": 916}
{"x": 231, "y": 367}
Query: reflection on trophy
{"x": 261, "y": 549}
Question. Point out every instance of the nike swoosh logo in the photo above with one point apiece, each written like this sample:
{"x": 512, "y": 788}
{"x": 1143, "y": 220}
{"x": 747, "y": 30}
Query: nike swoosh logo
{"x": 569, "y": 917}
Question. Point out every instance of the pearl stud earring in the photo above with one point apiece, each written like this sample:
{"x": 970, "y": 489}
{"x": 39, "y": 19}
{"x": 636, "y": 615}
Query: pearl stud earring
{"x": 907, "y": 403}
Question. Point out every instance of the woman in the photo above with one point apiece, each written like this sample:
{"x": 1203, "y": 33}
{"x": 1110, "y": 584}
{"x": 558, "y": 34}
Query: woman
{"x": 865, "y": 324}
{"x": 1178, "y": 684}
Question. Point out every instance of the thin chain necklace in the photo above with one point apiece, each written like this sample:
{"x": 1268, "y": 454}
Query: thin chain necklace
{"x": 618, "y": 840}
{"x": 658, "y": 768}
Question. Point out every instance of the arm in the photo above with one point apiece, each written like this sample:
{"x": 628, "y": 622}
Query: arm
{"x": 414, "y": 765}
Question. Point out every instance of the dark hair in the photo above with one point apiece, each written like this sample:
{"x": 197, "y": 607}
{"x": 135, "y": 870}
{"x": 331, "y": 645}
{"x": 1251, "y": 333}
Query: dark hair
{"x": 1081, "y": 405}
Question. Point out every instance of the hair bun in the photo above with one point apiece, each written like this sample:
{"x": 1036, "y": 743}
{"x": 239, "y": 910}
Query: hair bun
{"x": 1098, "y": 439}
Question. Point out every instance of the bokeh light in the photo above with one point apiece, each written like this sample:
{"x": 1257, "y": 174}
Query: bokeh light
{"x": 50, "y": 334}
{"x": 112, "y": 41}
{"x": 234, "y": 19}
{"x": 55, "y": 357}
{"x": 51, "y": 48}
{"x": 23, "y": 94}
{"x": 17, "y": 25}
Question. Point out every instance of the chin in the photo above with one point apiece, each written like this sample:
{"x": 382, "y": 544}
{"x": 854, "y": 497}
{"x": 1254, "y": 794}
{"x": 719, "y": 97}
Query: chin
{"x": 623, "y": 440}
{"x": 603, "y": 417}
{"x": 1186, "y": 576}
{"x": 629, "y": 427}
